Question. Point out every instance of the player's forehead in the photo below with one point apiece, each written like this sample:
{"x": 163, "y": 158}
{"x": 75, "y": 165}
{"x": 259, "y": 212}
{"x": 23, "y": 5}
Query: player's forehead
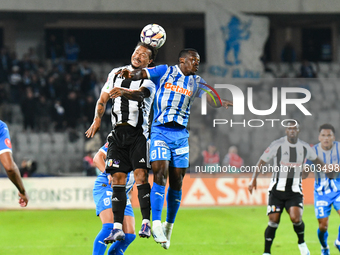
{"x": 193, "y": 55}
{"x": 142, "y": 50}
{"x": 292, "y": 126}
{"x": 326, "y": 132}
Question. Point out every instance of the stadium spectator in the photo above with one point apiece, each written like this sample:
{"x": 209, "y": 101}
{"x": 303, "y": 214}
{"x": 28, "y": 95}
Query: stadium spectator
{"x": 5, "y": 65}
{"x": 55, "y": 51}
{"x": 127, "y": 141}
{"x": 88, "y": 110}
{"x": 29, "y": 110}
{"x": 43, "y": 115}
{"x": 288, "y": 53}
{"x": 232, "y": 158}
{"x": 102, "y": 198}
{"x": 28, "y": 167}
{"x": 58, "y": 116}
{"x": 327, "y": 188}
{"x": 211, "y": 156}
{"x": 307, "y": 70}
{"x": 3, "y": 101}
{"x": 8, "y": 163}
{"x": 15, "y": 82}
{"x": 88, "y": 167}
{"x": 285, "y": 190}
{"x": 169, "y": 134}
{"x": 71, "y": 50}
{"x": 72, "y": 110}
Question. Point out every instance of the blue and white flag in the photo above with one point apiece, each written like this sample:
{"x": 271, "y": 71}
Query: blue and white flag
{"x": 235, "y": 43}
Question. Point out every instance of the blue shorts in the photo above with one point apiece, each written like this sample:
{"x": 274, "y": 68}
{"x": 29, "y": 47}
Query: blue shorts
{"x": 5, "y": 140}
{"x": 170, "y": 143}
{"x": 102, "y": 193}
{"x": 323, "y": 204}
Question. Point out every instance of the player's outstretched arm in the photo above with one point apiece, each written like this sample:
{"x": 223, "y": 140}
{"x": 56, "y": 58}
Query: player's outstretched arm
{"x": 134, "y": 75}
{"x": 225, "y": 103}
{"x": 252, "y": 185}
{"x": 99, "y": 112}
{"x": 136, "y": 95}
{"x": 13, "y": 174}
{"x": 99, "y": 162}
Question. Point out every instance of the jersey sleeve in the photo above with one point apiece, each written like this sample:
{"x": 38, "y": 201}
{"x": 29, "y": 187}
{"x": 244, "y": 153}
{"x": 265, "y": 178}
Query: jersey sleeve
{"x": 311, "y": 155}
{"x": 150, "y": 86}
{"x": 155, "y": 73}
{"x": 308, "y": 161}
{"x": 270, "y": 152}
{"x": 109, "y": 83}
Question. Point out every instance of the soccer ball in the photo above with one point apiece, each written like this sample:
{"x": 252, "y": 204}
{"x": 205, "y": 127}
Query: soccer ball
{"x": 153, "y": 35}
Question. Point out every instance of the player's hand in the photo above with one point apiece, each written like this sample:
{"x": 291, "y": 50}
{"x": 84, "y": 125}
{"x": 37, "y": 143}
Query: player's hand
{"x": 124, "y": 73}
{"x": 110, "y": 179}
{"x": 116, "y": 92}
{"x": 23, "y": 200}
{"x": 252, "y": 185}
{"x": 227, "y": 103}
{"x": 93, "y": 128}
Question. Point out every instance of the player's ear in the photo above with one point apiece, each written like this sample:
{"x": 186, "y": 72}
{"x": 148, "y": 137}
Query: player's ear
{"x": 181, "y": 60}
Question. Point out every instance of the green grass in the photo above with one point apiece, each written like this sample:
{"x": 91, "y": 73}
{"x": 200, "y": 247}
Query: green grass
{"x": 219, "y": 230}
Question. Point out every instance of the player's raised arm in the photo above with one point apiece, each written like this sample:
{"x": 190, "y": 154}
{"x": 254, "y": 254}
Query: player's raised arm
{"x": 136, "y": 95}
{"x": 134, "y": 75}
{"x": 252, "y": 184}
{"x": 99, "y": 112}
{"x": 225, "y": 103}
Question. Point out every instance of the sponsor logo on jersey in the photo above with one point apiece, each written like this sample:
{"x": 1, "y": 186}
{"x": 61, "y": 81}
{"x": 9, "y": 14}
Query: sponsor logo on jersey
{"x": 8, "y": 143}
{"x": 161, "y": 143}
{"x": 106, "y": 145}
{"x": 177, "y": 89}
{"x": 109, "y": 193}
{"x": 267, "y": 150}
{"x": 290, "y": 164}
{"x": 181, "y": 151}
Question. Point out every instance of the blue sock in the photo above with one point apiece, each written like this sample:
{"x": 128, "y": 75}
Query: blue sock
{"x": 99, "y": 247}
{"x": 339, "y": 234}
{"x": 119, "y": 247}
{"x": 173, "y": 199}
{"x": 157, "y": 201}
{"x": 323, "y": 238}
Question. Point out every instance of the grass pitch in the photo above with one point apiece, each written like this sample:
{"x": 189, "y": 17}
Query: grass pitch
{"x": 219, "y": 230}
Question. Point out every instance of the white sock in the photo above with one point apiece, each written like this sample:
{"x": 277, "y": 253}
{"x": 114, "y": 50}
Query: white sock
{"x": 169, "y": 225}
{"x": 146, "y": 221}
{"x": 337, "y": 242}
{"x": 156, "y": 223}
{"x": 118, "y": 225}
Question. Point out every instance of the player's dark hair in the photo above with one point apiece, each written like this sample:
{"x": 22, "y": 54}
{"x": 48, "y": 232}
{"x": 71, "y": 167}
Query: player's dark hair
{"x": 184, "y": 52}
{"x": 153, "y": 50}
{"x": 327, "y": 126}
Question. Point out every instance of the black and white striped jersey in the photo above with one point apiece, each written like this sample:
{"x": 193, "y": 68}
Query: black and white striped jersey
{"x": 288, "y": 160}
{"x": 128, "y": 111}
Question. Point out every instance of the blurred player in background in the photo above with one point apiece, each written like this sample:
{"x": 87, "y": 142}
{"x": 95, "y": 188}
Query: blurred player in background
{"x": 176, "y": 88}
{"x": 128, "y": 140}
{"x": 285, "y": 192}
{"x": 8, "y": 163}
{"x": 102, "y": 193}
{"x": 326, "y": 190}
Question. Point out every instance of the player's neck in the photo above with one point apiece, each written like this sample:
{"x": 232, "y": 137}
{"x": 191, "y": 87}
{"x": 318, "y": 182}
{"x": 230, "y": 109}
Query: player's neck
{"x": 326, "y": 149}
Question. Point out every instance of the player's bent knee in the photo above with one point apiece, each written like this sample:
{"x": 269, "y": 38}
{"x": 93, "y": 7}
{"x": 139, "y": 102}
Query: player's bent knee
{"x": 273, "y": 224}
{"x": 141, "y": 176}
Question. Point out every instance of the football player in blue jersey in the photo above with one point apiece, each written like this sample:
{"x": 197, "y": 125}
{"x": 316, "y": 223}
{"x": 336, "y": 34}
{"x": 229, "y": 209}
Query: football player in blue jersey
{"x": 102, "y": 193}
{"x": 326, "y": 187}
{"x": 8, "y": 163}
{"x": 176, "y": 88}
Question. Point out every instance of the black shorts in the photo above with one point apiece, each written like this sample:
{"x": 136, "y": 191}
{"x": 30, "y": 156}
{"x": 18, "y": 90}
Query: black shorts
{"x": 127, "y": 150}
{"x": 278, "y": 200}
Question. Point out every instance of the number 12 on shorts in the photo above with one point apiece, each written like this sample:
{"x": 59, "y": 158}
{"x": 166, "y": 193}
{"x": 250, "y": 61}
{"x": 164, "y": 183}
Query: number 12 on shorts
{"x": 159, "y": 153}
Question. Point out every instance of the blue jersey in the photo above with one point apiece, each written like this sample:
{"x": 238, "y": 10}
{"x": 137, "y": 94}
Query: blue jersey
{"x": 175, "y": 93}
{"x": 5, "y": 140}
{"x": 323, "y": 185}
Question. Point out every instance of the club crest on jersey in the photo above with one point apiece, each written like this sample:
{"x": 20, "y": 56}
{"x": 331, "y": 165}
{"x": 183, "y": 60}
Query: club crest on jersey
{"x": 178, "y": 89}
{"x": 113, "y": 163}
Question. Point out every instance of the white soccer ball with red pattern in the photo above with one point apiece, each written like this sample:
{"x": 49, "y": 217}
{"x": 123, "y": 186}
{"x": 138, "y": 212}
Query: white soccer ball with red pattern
{"x": 153, "y": 35}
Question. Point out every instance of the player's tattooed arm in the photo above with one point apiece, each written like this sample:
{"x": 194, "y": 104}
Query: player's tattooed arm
{"x": 135, "y": 95}
{"x": 99, "y": 112}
